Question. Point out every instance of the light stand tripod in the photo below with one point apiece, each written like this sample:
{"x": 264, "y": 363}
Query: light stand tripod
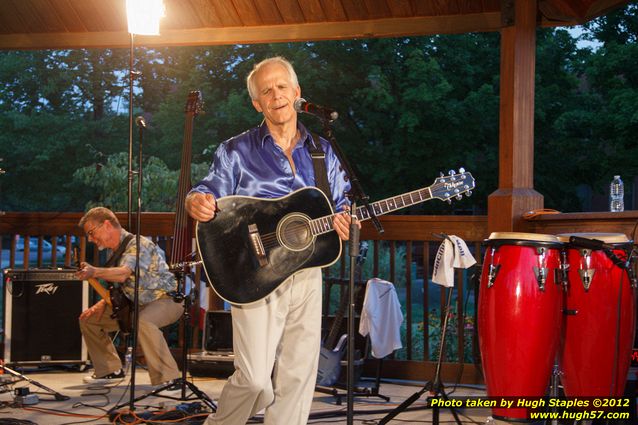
{"x": 435, "y": 387}
{"x": 182, "y": 382}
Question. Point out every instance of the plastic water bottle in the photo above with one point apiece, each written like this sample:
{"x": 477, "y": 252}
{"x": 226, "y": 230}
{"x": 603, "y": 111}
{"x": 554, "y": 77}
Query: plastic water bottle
{"x": 128, "y": 359}
{"x": 616, "y": 195}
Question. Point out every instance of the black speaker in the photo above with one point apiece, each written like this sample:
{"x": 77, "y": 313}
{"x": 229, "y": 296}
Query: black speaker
{"x": 41, "y": 320}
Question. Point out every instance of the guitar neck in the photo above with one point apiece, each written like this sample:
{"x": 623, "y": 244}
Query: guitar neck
{"x": 323, "y": 225}
{"x": 101, "y": 290}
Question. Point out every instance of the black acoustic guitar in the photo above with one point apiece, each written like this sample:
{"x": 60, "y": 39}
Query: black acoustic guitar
{"x": 253, "y": 245}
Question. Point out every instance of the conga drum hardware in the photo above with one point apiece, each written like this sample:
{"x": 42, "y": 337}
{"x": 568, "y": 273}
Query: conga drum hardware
{"x": 493, "y": 270}
{"x": 540, "y": 271}
{"x": 586, "y": 272}
{"x": 563, "y": 270}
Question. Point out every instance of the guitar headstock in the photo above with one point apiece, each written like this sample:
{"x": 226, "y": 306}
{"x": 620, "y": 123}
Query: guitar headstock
{"x": 194, "y": 102}
{"x": 454, "y": 185}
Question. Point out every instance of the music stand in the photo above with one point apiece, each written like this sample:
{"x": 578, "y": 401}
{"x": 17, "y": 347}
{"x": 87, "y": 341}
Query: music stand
{"x": 435, "y": 386}
{"x": 182, "y": 382}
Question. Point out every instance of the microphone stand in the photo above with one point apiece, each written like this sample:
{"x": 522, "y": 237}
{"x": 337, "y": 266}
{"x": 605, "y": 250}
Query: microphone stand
{"x": 356, "y": 195}
{"x": 434, "y": 387}
{"x": 132, "y": 75}
{"x": 180, "y": 296}
{"x": 136, "y": 301}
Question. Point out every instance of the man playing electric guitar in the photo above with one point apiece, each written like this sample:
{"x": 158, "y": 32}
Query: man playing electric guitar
{"x": 157, "y": 309}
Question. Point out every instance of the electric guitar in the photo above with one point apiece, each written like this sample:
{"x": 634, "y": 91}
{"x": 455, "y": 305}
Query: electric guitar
{"x": 253, "y": 245}
{"x": 330, "y": 354}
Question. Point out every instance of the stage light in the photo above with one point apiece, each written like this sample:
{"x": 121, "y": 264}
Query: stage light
{"x": 144, "y": 16}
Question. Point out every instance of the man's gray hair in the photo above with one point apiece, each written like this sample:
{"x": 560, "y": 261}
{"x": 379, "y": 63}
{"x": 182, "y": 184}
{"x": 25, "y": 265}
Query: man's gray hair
{"x": 250, "y": 80}
{"x": 100, "y": 215}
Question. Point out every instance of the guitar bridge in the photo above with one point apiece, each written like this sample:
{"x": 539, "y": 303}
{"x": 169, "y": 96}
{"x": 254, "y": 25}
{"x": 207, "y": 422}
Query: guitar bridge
{"x": 258, "y": 246}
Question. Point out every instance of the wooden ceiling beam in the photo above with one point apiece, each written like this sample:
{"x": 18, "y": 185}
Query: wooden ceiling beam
{"x": 378, "y": 28}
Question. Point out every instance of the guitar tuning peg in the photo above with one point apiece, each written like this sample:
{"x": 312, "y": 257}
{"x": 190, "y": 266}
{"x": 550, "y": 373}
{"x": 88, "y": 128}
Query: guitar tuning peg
{"x": 459, "y": 196}
{"x": 451, "y": 172}
{"x": 468, "y": 193}
{"x": 449, "y": 201}
{"x": 461, "y": 170}
{"x": 441, "y": 174}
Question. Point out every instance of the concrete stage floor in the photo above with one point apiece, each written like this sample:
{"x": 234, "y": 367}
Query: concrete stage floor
{"x": 88, "y": 404}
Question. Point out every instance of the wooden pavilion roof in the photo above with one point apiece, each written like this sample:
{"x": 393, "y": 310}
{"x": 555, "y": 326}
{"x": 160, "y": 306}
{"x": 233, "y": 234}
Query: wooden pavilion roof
{"x": 61, "y": 24}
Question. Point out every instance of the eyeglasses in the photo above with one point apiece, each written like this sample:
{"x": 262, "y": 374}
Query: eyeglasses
{"x": 91, "y": 232}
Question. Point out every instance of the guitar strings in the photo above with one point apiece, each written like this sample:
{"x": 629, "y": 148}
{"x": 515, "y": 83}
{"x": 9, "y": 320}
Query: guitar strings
{"x": 271, "y": 239}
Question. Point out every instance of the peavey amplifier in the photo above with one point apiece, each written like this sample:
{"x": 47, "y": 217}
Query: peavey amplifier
{"x": 41, "y": 310}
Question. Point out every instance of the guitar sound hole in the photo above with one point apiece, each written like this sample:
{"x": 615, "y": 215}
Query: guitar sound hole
{"x": 294, "y": 232}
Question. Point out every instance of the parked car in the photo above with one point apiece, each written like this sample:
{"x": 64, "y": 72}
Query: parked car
{"x": 47, "y": 253}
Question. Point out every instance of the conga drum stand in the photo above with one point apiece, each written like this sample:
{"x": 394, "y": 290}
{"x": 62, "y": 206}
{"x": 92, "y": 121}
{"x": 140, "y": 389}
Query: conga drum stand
{"x": 435, "y": 387}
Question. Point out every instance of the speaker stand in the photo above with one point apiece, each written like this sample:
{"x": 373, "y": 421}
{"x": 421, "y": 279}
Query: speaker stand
{"x": 57, "y": 395}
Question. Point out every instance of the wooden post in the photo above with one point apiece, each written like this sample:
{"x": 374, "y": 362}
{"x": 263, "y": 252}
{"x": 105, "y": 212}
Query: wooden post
{"x": 515, "y": 194}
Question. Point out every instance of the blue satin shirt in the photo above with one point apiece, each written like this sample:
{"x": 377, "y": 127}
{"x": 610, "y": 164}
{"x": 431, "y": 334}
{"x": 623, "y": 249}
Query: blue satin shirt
{"x": 252, "y": 164}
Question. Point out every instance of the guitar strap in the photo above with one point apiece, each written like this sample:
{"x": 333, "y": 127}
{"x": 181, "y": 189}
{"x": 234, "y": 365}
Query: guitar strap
{"x": 120, "y": 303}
{"x": 116, "y": 288}
{"x": 118, "y": 252}
{"x": 319, "y": 164}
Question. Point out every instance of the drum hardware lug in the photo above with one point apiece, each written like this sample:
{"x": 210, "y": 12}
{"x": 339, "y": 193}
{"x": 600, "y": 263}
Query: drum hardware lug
{"x": 540, "y": 271}
{"x": 632, "y": 277}
{"x": 586, "y": 276}
{"x": 568, "y": 312}
{"x": 564, "y": 269}
{"x": 493, "y": 269}
{"x": 491, "y": 275}
{"x": 541, "y": 276}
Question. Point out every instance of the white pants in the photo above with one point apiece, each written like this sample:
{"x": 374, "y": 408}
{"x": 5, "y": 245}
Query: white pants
{"x": 276, "y": 344}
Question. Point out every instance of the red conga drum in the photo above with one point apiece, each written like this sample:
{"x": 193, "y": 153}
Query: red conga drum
{"x": 519, "y": 316}
{"x": 599, "y": 318}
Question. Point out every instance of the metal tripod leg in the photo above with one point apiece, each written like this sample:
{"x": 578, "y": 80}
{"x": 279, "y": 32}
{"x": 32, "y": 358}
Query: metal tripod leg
{"x": 435, "y": 387}
{"x": 198, "y": 394}
{"x": 57, "y": 395}
{"x": 182, "y": 381}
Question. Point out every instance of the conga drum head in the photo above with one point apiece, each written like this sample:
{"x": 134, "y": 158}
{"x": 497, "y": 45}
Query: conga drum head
{"x": 619, "y": 239}
{"x": 523, "y": 239}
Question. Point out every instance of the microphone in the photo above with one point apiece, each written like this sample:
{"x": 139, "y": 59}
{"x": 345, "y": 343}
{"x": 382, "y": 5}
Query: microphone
{"x": 593, "y": 244}
{"x": 326, "y": 114}
{"x": 141, "y": 123}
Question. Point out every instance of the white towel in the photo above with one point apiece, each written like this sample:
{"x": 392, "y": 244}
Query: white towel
{"x": 452, "y": 253}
